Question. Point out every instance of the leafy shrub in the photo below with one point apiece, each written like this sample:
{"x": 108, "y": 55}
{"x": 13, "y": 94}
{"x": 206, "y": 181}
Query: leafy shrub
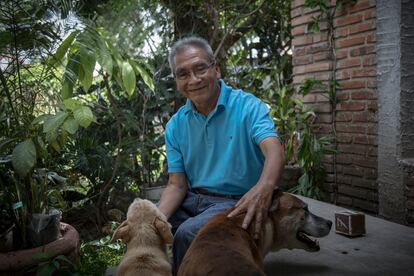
{"x": 58, "y": 266}
{"x": 98, "y": 255}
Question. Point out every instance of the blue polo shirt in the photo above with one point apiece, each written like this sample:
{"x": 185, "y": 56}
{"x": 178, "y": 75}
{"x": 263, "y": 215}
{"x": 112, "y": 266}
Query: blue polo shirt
{"x": 220, "y": 152}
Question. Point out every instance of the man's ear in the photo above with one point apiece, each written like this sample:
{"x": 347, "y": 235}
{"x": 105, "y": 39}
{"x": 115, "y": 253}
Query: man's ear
{"x": 217, "y": 71}
{"x": 122, "y": 232}
{"x": 164, "y": 229}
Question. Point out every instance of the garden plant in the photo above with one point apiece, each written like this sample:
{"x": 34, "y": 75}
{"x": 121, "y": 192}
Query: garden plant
{"x": 86, "y": 93}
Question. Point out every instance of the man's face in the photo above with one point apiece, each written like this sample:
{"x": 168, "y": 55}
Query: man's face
{"x": 197, "y": 77}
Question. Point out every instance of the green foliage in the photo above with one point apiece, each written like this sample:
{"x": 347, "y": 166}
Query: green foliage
{"x": 24, "y": 157}
{"x": 62, "y": 49}
{"x": 313, "y": 25}
{"x": 332, "y": 86}
{"x": 302, "y": 146}
{"x": 261, "y": 60}
{"x": 53, "y": 122}
{"x": 290, "y": 115}
{"x": 57, "y": 266}
{"x": 85, "y": 49}
{"x": 310, "y": 155}
{"x": 94, "y": 105}
{"x": 326, "y": 11}
{"x": 98, "y": 255}
{"x": 284, "y": 114}
{"x": 43, "y": 140}
{"x": 27, "y": 173}
{"x": 137, "y": 119}
{"x": 322, "y": 4}
{"x": 72, "y": 126}
{"x": 307, "y": 85}
{"x": 128, "y": 77}
{"x": 145, "y": 76}
{"x": 83, "y": 116}
{"x": 17, "y": 31}
{"x": 294, "y": 124}
{"x": 315, "y": 148}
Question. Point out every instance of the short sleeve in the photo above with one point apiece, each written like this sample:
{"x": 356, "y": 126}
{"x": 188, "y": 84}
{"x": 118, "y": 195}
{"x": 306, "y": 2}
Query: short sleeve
{"x": 260, "y": 123}
{"x": 174, "y": 155}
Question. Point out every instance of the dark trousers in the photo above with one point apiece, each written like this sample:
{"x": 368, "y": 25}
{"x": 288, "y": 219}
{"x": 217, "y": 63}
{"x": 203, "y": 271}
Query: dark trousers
{"x": 194, "y": 212}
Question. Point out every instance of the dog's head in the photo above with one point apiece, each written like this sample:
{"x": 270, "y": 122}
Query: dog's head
{"x": 294, "y": 224}
{"x": 143, "y": 218}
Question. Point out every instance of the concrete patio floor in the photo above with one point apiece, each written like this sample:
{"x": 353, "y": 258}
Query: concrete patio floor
{"x": 386, "y": 249}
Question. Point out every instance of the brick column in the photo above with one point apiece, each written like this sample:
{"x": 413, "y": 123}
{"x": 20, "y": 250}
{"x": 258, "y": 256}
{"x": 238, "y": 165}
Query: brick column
{"x": 396, "y": 113}
{"x": 356, "y": 115}
{"x": 407, "y": 105}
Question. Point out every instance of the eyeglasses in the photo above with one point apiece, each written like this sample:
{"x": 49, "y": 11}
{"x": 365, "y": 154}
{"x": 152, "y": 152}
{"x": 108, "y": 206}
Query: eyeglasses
{"x": 198, "y": 70}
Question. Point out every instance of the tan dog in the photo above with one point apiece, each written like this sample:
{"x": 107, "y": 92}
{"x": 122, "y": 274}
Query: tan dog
{"x": 223, "y": 248}
{"x": 146, "y": 233}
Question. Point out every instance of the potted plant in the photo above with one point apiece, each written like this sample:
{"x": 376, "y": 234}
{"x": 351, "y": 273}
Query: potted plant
{"x": 31, "y": 137}
{"x": 31, "y": 203}
{"x": 31, "y": 199}
{"x": 304, "y": 151}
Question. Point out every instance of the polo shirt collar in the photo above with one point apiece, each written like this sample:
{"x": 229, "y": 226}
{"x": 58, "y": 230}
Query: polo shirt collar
{"x": 222, "y": 100}
{"x": 224, "y": 94}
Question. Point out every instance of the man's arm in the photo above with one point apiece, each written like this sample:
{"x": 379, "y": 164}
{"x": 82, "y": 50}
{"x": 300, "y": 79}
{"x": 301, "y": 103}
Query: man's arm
{"x": 256, "y": 202}
{"x": 173, "y": 194}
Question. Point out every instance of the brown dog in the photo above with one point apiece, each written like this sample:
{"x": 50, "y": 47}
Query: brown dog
{"x": 146, "y": 233}
{"x": 223, "y": 248}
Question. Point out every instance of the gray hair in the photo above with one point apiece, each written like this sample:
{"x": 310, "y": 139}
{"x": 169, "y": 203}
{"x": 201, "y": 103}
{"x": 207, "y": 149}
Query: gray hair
{"x": 185, "y": 43}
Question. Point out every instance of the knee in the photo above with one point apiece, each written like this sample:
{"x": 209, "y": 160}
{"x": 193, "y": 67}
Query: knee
{"x": 185, "y": 234}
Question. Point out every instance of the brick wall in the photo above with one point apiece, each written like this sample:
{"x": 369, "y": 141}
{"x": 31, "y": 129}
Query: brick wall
{"x": 356, "y": 112}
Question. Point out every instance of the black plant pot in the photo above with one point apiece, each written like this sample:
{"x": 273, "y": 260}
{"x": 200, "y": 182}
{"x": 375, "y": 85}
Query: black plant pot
{"x": 6, "y": 240}
{"x": 43, "y": 228}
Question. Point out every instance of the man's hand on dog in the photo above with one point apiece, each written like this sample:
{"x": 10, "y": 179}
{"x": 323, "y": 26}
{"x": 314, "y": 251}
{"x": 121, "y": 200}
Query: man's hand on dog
{"x": 255, "y": 203}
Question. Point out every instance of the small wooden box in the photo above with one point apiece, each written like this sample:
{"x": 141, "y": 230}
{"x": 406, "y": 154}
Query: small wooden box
{"x": 350, "y": 223}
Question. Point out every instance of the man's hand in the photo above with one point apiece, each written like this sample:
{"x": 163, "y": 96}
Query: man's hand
{"x": 256, "y": 204}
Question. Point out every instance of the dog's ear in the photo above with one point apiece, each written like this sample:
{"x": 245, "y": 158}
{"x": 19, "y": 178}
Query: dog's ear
{"x": 122, "y": 232}
{"x": 164, "y": 229}
{"x": 275, "y": 200}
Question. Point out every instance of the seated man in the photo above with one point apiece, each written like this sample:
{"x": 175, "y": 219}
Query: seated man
{"x": 222, "y": 149}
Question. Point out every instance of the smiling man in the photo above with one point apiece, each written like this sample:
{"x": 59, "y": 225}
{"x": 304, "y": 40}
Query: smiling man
{"x": 222, "y": 149}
